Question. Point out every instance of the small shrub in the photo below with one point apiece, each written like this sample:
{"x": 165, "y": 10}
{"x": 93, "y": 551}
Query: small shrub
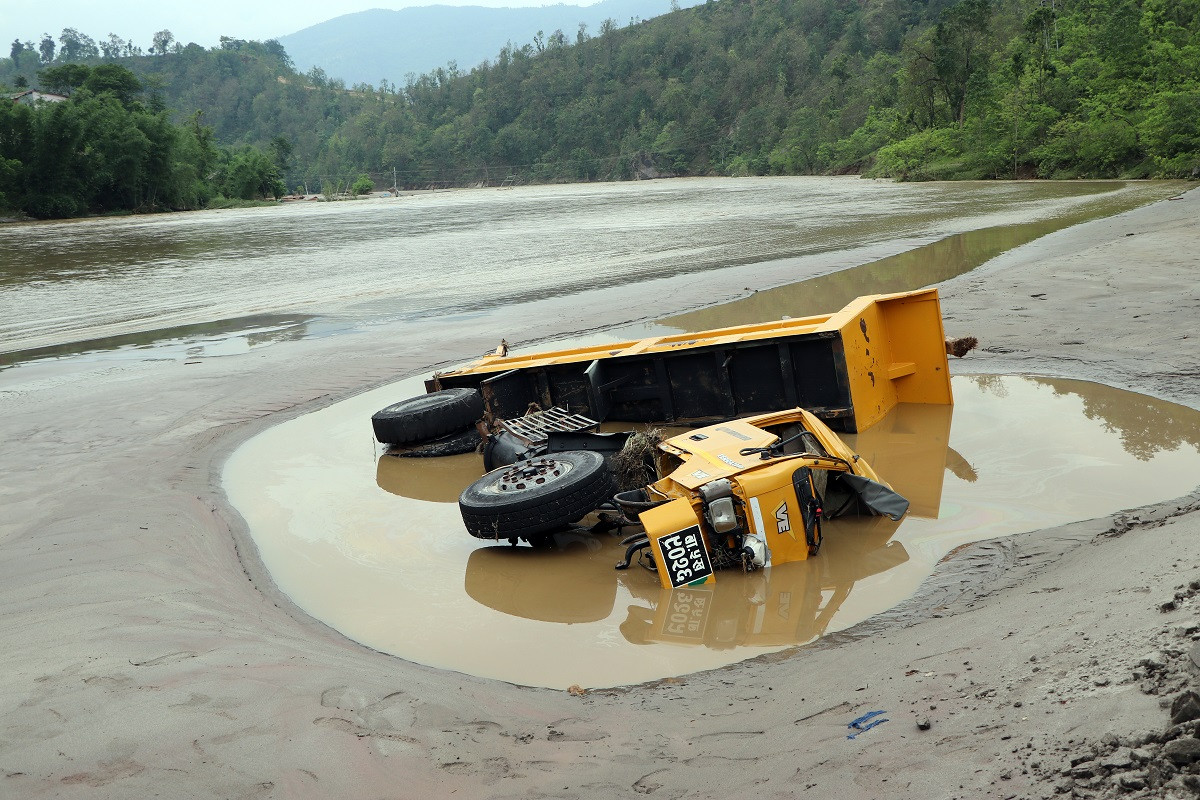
{"x": 926, "y": 156}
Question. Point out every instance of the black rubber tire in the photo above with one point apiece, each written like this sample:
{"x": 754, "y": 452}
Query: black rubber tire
{"x": 491, "y": 511}
{"x": 453, "y": 444}
{"x": 428, "y": 416}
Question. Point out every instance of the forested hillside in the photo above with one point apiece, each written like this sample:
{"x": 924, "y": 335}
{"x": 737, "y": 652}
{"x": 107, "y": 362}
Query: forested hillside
{"x": 108, "y": 149}
{"x": 365, "y": 46}
{"x": 915, "y": 89}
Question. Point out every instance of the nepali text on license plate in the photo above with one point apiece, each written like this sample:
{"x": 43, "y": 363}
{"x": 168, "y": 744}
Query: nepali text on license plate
{"x": 684, "y": 556}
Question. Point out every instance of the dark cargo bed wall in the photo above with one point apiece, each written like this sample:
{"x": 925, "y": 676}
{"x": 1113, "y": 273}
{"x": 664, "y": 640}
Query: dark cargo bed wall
{"x": 638, "y": 389}
{"x": 819, "y": 365}
{"x": 685, "y": 385}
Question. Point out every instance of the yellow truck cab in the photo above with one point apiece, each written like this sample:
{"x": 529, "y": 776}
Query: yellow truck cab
{"x": 751, "y": 493}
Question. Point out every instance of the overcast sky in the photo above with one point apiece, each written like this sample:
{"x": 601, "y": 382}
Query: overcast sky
{"x": 190, "y": 21}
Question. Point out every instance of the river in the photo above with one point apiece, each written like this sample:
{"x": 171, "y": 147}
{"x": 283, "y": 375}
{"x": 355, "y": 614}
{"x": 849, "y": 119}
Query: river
{"x": 171, "y": 280}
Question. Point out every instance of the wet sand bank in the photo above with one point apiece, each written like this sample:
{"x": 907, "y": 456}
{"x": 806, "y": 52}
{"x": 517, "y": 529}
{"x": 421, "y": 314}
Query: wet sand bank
{"x": 148, "y": 652}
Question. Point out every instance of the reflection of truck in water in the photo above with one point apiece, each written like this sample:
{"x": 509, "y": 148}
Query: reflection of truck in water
{"x": 789, "y": 604}
{"x": 565, "y": 580}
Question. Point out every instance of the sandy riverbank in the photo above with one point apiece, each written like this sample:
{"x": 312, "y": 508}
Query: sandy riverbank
{"x": 148, "y": 654}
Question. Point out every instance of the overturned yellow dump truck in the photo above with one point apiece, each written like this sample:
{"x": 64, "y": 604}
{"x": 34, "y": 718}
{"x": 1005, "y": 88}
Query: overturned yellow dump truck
{"x": 848, "y": 368}
{"x": 750, "y": 490}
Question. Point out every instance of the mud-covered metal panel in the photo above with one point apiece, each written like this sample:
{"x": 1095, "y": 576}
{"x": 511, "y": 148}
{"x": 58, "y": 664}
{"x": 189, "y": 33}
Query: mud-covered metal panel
{"x": 696, "y": 385}
{"x": 599, "y": 403}
{"x": 508, "y": 395}
{"x": 567, "y": 387}
{"x": 758, "y": 379}
{"x": 818, "y": 383}
{"x": 849, "y": 368}
{"x": 636, "y": 391}
{"x": 699, "y": 384}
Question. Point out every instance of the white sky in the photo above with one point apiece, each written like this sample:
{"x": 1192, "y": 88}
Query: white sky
{"x": 191, "y": 21}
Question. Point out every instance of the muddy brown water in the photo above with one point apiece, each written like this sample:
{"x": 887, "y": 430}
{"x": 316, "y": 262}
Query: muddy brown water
{"x": 373, "y": 545}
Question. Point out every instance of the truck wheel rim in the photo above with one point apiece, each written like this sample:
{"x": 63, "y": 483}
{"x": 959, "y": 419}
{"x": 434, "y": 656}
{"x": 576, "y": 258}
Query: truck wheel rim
{"x": 527, "y": 474}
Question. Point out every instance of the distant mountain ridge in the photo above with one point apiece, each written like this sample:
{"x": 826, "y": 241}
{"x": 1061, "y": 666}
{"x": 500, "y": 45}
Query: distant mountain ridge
{"x": 368, "y": 46}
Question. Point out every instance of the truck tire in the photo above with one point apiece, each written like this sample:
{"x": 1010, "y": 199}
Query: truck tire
{"x": 427, "y": 416}
{"x": 536, "y": 496}
{"x": 452, "y": 444}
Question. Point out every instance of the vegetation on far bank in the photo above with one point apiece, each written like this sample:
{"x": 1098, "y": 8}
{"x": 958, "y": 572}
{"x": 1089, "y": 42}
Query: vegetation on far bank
{"x": 107, "y": 149}
{"x": 912, "y": 89}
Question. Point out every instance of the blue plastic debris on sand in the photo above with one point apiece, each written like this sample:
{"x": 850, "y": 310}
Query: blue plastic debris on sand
{"x": 865, "y": 723}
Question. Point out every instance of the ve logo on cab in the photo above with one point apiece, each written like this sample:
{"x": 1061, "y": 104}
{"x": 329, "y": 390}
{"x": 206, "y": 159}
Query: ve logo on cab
{"x": 782, "y": 523}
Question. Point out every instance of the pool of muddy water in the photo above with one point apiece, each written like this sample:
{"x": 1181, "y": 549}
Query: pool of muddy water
{"x": 373, "y": 545}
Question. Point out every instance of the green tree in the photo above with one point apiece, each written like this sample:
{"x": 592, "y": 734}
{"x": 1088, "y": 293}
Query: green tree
{"x": 115, "y": 80}
{"x": 16, "y": 142}
{"x": 76, "y": 46}
{"x": 250, "y": 174}
{"x": 46, "y": 48}
{"x": 281, "y": 153}
{"x": 114, "y": 159}
{"x": 1172, "y": 131}
{"x": 161, "y": 43}
{"x": 63, "y": 79}
{"x": 112, "y": 48}
{"x": 54, "y": 161}
{"x": 960, "y": 50}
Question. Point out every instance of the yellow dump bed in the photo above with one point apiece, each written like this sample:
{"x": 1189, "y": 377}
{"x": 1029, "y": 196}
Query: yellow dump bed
{"x": 849, "y": 368}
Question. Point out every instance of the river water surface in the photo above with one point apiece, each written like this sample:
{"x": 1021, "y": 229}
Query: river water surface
{"x": 315, "y": 268}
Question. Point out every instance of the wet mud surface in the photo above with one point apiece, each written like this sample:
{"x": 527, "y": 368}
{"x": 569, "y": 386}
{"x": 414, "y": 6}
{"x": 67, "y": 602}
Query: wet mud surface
{"x": 372, "y": 544}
